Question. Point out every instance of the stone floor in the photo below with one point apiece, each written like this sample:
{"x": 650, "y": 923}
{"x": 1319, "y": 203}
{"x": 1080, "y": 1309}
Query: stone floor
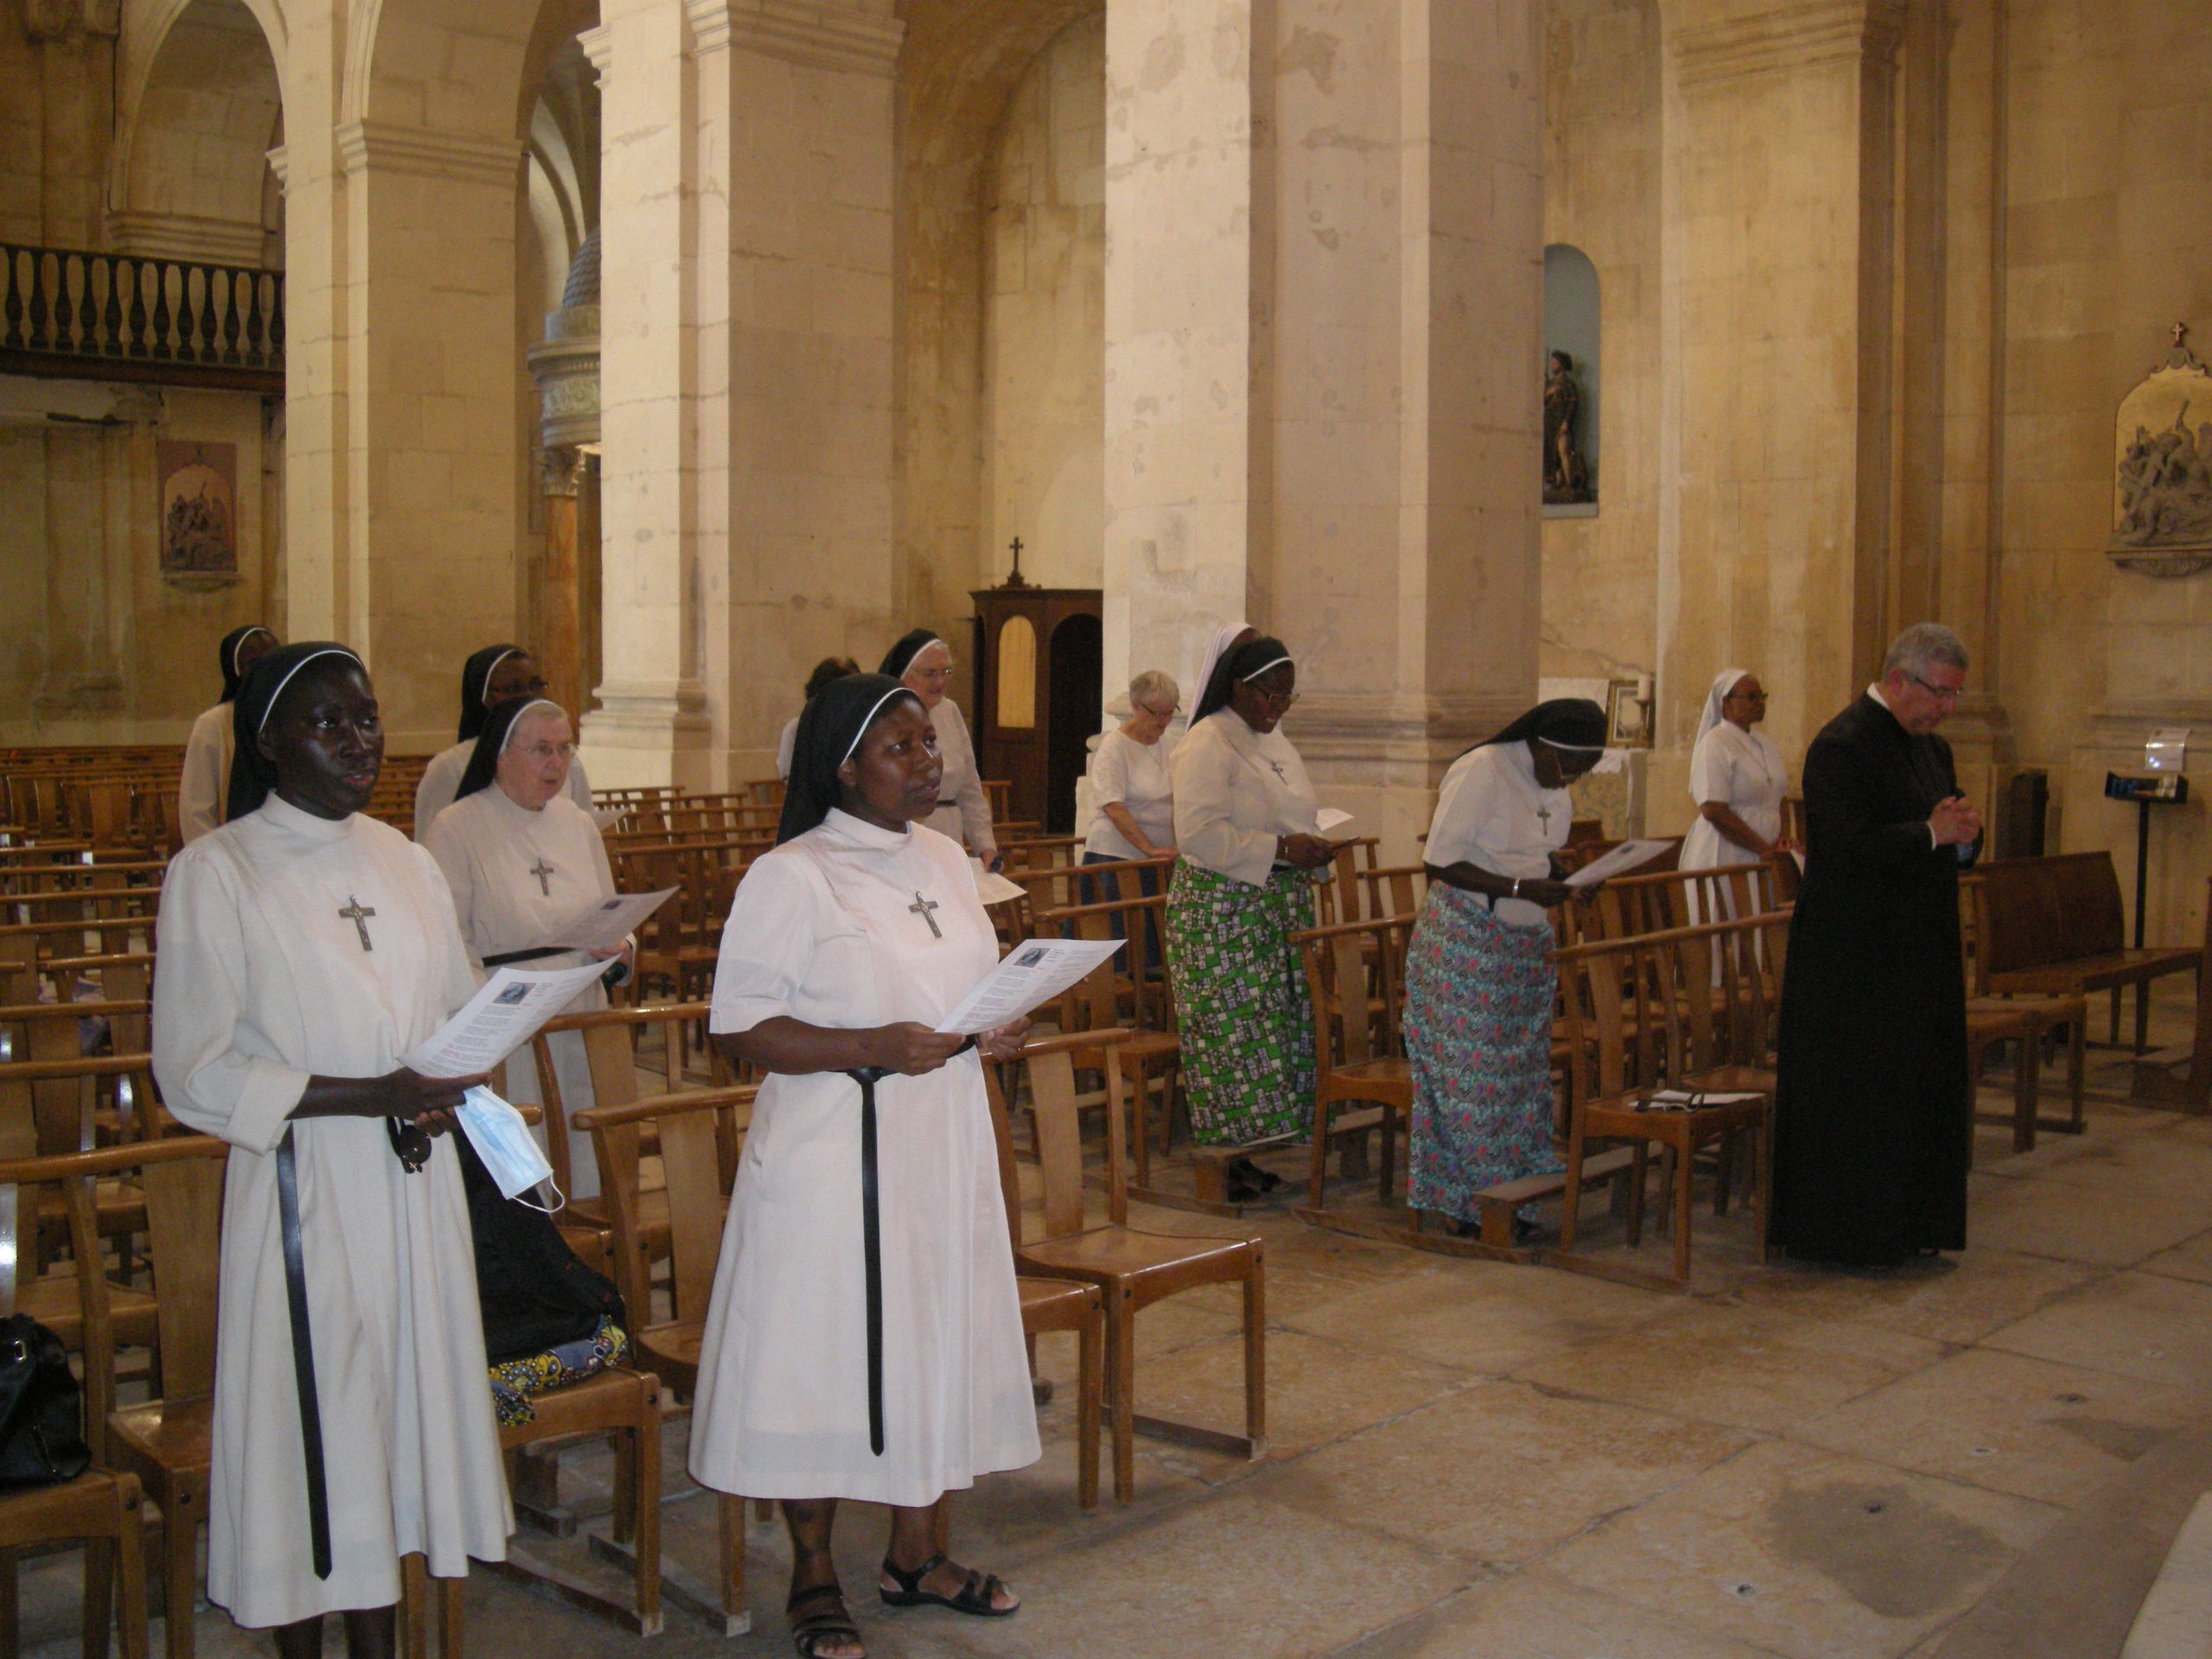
{"x": 1470, "y": 1459}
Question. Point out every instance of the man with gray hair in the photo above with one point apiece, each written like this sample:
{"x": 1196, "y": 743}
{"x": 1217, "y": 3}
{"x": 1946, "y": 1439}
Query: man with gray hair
{"x": 1874, "y": 1116}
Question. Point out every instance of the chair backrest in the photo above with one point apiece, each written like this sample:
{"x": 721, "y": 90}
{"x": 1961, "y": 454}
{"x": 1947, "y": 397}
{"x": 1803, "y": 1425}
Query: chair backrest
{"x": 47, "y": 1106}
{"x": 690, "y": 1129}
{"x": 183, "y": 1179}
{"x": 614, "y": 1055}
{"x": 2038, "y": 911}
{"x": 1050, "y": 1066}
{"x": 1349, "y": 968}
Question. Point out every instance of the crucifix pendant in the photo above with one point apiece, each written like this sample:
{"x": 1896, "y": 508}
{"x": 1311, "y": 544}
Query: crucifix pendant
{"x": 359, "y": 914}
{"x": 541, "y": 870}
{"x": 1544, "y": 816}
{"x": 922, "y": 907}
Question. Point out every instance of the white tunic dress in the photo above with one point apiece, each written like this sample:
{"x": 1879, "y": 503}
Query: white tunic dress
{"x": 442, "y": 782}
{"x": 822, "y": 930}
{"x": 261, "y": 985}
{"x": 491, "y": 852}
{"x": 205, "y": 783}
{"x": 1743, "y": 770}
{"x": 963, "y": 810}
{"x": 1236, "y": 791}
{"x": 1125, "y": 772}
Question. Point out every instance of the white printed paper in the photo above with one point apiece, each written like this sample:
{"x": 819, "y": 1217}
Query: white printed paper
{"x": 1684, "y": 1100}
{"x": 505, "y": 1013}
{"x": 604, "y": 922}
{"x": 993, "y": 888}
{"x": 1626, "y": 856}
{"x": 1330, "y": 817}
{"x": 1032, "y": 975}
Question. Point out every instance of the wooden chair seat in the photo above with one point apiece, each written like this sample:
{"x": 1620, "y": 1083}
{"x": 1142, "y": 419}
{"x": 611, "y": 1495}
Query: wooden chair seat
{"x": 1149, "y": 1265}
{"x": 672, "y": 1352}
{"x": 52, "y": 1300}
{"x": 178, "y": 1433}
{"x": 104, "y": 1509}
{"x": 1358, "y": 1049}
{"x": 2106, "y": 971}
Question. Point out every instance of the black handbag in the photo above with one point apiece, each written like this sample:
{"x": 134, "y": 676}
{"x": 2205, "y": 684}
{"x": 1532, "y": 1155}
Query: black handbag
{"x": 535, "y": 1294}
{"x": 41, "y": 1416}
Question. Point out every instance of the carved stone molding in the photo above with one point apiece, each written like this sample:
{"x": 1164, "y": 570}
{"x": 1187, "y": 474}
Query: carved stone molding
{"x": 561, "y": 471}
{"x": 598, "y": 47}
{"x": 63, "y": 20}
{"x": 280, "y": 162}
{"x": 1790, "y": 36}
{"x": 1360, "y": 729}
{"x": 825, "y": 34}
{"x": 184, "y": 236}
{"x": 376, "y": 145}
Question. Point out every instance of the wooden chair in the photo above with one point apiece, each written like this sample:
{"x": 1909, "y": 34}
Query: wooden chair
{"x": 1132, "y": 1269}
{"x": 691, "y": 1131}
{"x": 1056, "y": 1305}
{"x": 1627, "y": 1038}
{"x": 103, "y": 1506}
{"x": 1352, "y": 1064}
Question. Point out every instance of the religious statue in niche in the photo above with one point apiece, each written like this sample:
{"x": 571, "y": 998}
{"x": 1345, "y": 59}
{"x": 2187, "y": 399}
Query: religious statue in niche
{"x": 1567, "y": 474}
{"x": 200, "y": 517}
{"x": 2162, "y": 492}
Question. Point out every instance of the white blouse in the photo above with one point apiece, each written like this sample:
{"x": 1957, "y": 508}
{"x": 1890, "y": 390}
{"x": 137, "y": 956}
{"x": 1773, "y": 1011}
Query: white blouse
{"x": 1492, "y": 813}
{"x": 964, "y": 809}
{"x": 201, "y": 803}
{"x": 1235, "y": 793}
{"x": 442, "y": 783}
{"x": 1125, "y": 772}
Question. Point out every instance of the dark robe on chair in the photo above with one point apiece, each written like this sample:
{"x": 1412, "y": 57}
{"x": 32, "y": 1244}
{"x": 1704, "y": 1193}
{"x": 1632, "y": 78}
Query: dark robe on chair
{"x": 1873, "y": 1115}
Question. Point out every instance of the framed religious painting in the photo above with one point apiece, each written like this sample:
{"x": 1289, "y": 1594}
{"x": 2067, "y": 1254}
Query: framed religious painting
{"x": 199, "y": 507}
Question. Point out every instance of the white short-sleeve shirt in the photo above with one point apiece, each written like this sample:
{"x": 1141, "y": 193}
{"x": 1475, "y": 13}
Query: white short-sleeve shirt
{"x": 1127, "y": 773}
{"x": 1492, "y": 813}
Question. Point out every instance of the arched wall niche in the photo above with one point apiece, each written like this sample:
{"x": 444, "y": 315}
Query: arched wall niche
{"x": 1574, "y": 323}
{"x": 200, "y": 105}
{"x": 959, "y": 65}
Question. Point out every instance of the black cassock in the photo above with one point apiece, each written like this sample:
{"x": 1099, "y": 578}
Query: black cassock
{"x": 1874, "y": 1118}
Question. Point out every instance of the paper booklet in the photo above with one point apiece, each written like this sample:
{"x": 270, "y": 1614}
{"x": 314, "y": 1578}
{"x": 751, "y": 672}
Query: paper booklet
{"x": 1626, "y": 856}
{"x": 1330, "y": 817}
{"x": 991, "y": 888}
{"x": 604, "y": 922}
{"x": 1033, "y": 974}
{"x": 503, "y": 1015}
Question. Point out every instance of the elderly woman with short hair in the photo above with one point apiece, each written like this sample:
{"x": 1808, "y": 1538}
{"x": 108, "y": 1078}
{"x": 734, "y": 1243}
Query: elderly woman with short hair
{"x": 924, "y": 663}
{"x": 1132, "y": 802}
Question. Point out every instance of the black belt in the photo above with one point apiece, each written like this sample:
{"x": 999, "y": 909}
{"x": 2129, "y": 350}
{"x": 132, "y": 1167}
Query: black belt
{"x": 295, "y": 1288}
{"x": 872, "y": 1244}
{"x": 506, "y": 957}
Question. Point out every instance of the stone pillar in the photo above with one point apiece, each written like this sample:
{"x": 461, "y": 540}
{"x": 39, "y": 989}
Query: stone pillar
{"x": 556, "y": 621}
{"x": 1777, "y": 359}
{"x": 745, "y": 369}
{"x": 1368, "y": 182}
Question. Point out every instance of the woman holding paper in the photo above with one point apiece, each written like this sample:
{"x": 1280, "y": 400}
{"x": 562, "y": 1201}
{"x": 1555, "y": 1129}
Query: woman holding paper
{"x": 846, "y": 946}
{"x": 1245, "y": 829}
{"x": 524, "y": 860}
{"x": 1737, "y": 778}
{"x": 304, "y": 948}
{"x": 1480, "y": 985}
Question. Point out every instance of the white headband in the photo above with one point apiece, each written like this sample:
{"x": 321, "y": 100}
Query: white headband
{"x": 483, "y": 692}
{"x": 860, "y": 731}
{"x": 240, "y": 646}
{"x": 1264, "y": 667}
{"x": 919, "y": 649}
{"x": 1576, "y": 748}
{"x": 515, "y": 725}
{"x": 270, "y": 708}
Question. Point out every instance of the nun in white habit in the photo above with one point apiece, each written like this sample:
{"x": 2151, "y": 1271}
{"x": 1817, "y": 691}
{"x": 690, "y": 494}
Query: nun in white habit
{"x": 924, "y": 663}
{"x": 1737, "y": 778}
{"x": 845, "y": 946}
{"x": 522, "y": 859}
{"x": 204, "y": 785}
{"x": 495, "y": 675}
{"x": 304, "y": 948}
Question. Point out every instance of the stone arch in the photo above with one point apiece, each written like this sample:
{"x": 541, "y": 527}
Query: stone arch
{"x": 464, "y": 72}
{"x": 199, "y": 91}
{"x": 958, "y": 67}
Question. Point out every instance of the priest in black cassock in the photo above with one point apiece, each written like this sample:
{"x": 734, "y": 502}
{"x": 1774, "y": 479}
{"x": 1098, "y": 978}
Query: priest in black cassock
{"x": 1873, "y": 1118}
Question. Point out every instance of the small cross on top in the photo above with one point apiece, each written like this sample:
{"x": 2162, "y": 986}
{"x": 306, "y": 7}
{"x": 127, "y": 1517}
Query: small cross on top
{"x": 922, "y": 907}
{"x": 358, "y": 913}
{"x": 541, "y": 870}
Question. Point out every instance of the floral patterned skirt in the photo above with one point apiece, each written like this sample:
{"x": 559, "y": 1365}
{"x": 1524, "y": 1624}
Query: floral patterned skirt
{"x": 1479, "y": 998}
{"x": 1240, "y": 996}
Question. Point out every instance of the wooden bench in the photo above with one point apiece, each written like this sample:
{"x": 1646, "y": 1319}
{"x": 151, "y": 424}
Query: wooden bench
{"x": 2054, "y": 926}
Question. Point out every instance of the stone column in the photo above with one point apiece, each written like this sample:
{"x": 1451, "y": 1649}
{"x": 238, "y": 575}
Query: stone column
{"x": 556, "y": 623}
{"x": 745, "y": 369}
{"x": 1366, "y": 183}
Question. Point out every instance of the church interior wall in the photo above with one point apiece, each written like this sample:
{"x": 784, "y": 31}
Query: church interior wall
{"x": 1045, "y": 229}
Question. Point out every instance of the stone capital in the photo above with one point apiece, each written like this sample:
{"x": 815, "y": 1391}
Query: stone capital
{"x": 378, "y": 146}
{"x": 185, "y": 236}
{"x": 825, "y": 34}
{"x": 1788, "y": 36}
{"x": 599, "y": 47}
{"x": 280, "y": 162}
{"x": 560, "y": 470}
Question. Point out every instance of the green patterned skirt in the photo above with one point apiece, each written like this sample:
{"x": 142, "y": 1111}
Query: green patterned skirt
{"x": 1240, "y": 995}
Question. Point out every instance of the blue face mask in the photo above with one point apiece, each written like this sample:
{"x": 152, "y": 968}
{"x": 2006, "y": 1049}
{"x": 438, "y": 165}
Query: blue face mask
{"x": 512, "y": 1155}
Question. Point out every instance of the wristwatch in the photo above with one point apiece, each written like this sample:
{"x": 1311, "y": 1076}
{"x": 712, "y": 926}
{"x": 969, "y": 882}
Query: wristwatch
{"x": 1516, "y": 893}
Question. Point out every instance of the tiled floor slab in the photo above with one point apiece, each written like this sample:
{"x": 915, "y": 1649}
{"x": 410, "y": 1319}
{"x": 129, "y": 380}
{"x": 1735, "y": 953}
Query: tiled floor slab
{"x": 1537, "y": 1615}
{"x": 1501, "y": 1471}
{"x": 2007, "y": 1422}
{"x": 2137, "y": 1324}
{"x": 1953, "y": 1298}
{"x": 2092, "y": 1224}
{"x": 2191, "y": 1261}
{"x": 1723, "y": 1364}
{"x": 1808, "y": 1553}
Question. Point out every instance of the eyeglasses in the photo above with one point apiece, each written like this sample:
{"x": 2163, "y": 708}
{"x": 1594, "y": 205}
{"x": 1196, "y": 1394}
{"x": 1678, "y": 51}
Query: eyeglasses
{"x": 510, "y": 689}
{"x": 936, "y": 674}
{"x": 1168, "y": 712}
{"x": 1745, "y": 697}
{"x": 1278, "y": 699}
{"x": 1940, "y": 693}
{"x": 542, "y": 752}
